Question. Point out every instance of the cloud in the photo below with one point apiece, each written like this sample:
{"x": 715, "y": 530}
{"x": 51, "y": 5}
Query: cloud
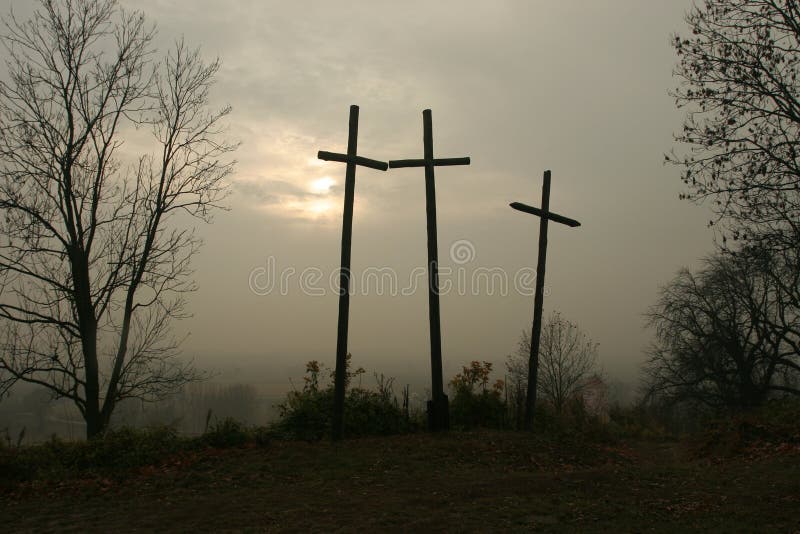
{"x": 268, "y": 192}
{"x": 519, "y": 86}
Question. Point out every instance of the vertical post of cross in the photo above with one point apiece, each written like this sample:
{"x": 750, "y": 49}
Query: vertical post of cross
{"x": 538, "y": 305}
{"x": 351, "y": 159}
{"x": 438, "y": 410}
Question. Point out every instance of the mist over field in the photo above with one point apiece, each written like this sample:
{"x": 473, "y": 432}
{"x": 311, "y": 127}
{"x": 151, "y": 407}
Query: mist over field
{"x": 519, "y": 88}
{"x": 421, "y": 266}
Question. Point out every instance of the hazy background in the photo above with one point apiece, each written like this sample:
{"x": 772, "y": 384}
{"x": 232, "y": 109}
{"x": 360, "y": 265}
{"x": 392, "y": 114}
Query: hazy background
{"x": 580, "y": 88}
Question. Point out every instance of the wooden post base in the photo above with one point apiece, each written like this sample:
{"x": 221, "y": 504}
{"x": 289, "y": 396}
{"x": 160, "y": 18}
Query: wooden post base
{"x": 439, "y": 414}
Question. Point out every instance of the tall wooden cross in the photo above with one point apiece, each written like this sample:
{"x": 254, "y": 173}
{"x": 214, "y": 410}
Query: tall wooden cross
{"x": 344, "y": 278}
{"x": 544, "y": 215}
{"x": 438, "y": 414}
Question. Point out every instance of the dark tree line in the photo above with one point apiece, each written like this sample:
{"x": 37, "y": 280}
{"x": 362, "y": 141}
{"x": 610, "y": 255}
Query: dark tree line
{"x": 738, "y": 82}
{"x": 727, "y": 335}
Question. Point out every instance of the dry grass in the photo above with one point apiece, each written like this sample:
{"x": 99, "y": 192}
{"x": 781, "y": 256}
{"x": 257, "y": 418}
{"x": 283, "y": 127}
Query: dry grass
{"x": 479, "y": 481}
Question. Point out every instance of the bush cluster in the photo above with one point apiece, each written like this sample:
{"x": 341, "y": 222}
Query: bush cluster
{"x": 474, "y": 403}
{"x": 774, "y": 425}
{"x": 308, "y": 414}
{"x": 118, "y": 450}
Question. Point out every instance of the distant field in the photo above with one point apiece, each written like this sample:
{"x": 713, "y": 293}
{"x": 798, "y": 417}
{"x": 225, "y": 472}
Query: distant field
{"x": 32, "y": 410}
{"x": 478, "y": 481}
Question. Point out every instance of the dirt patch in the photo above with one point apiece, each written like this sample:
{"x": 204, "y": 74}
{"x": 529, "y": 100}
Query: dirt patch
{"x": 486, "y": 481}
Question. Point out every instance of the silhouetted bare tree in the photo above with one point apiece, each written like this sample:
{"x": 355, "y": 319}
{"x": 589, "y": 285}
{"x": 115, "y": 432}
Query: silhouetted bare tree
{"x": 567, "y": 359}
{"x": 739, "y": 73}
{"x": 726, "y": 336}
{"x": 94, "y": 260}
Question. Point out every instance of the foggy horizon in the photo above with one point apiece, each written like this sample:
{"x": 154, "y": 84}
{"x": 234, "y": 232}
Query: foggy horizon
{"x": 598, "y": 116}
{"x": 520, "y": 88}
{"x": 421, "y": 266}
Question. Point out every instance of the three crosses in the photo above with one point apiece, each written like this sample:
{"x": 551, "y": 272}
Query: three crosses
{"x": 438, "y": 418}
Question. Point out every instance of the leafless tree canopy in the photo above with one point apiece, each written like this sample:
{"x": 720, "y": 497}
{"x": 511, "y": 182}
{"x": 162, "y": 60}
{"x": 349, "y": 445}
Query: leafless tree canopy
{"x": 738, "y": 73}
{"x": 567, "y": 359}
{"x": 93, "y": 258}
{"x": 727, "y": 336}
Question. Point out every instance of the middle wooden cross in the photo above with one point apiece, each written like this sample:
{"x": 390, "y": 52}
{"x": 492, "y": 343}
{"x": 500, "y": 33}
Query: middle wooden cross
{"x": 438, "y": 411}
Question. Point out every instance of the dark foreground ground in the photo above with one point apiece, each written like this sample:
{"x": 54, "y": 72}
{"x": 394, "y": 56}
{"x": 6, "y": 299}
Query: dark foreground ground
{"x": 480, "y": 481}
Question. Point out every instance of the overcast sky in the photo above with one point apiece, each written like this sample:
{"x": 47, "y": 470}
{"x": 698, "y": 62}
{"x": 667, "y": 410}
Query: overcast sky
{"x": 580, "y": 88}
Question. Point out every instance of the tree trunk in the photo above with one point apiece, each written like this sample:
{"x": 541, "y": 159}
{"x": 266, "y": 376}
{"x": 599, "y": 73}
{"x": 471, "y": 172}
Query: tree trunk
{"x": 88, "y": 330}
{"x": 94, "y": 420}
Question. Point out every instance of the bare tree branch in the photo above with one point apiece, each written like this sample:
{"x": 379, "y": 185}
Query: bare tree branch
{"x": 724, "y": 336}
{"x": 738, "y": 82}
{"x": 93, "y": 263}
{"x": 567, "y": 359}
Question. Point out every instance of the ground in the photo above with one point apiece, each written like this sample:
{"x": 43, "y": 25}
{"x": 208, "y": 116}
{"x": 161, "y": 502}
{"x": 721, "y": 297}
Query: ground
{"x": 477, "y": 481}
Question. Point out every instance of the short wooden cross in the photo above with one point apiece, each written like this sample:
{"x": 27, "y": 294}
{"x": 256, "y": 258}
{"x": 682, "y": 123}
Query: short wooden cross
{"x": 544, "y": 215}
{"x": 438, "y": 411}
{"x": 344, "y": 279}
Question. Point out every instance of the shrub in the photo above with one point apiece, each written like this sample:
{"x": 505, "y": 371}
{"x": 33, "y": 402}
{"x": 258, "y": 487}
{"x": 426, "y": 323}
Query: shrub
{"x": 226, "y": 433}
{"x": 371, "y": 413}
{"x": 305, "y": 415}
{"x": 573, "y": 422}
{"x": 474, "y": 404}
{"x": 110, "y": 453}
{"x": 118, "y": 451}
{"x": 763, "y": 430}
{"x": 126, "y": 447}
{"x": 262, "y": 436}
{"x": 308, "y": 414}
{"x": 638, "y": 421}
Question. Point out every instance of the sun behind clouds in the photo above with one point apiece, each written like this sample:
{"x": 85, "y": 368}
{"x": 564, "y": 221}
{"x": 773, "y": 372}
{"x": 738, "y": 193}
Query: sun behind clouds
{"x": 322, "y": 186}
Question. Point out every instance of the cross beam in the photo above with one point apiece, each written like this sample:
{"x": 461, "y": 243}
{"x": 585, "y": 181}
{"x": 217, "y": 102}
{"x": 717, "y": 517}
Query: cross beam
{"x": 356, "y": 160}
{"x": 544, "y": 215}
{"x": 352, "y": 161}
{"x": 435, "y": 162}
{"x": 549, "y": 215}
{"x": 438, "y": 411}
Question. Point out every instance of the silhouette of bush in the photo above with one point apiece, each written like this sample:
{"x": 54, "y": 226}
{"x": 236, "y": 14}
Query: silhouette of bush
{"x": 262, "y": 436}
{"x": 226, "y": 433}
{"x": 474, "y": 403}
{"x": 767, "y": 429}
{"x": 114, "y": 451}
{"x": 118, "y": 451}
{"x": 371, "y": 413}
{"x": 308, "y": 414}
{"x": 126, "y": 447}
{"x": 642, "y": 421}
{"x": 572, "y": 421}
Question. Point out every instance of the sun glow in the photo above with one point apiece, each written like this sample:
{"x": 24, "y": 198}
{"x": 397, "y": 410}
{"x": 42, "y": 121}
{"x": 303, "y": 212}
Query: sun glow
{"x": 319, "y": 207}
{"x": 310, "y": 209}
{"x": 322, "y": 185}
